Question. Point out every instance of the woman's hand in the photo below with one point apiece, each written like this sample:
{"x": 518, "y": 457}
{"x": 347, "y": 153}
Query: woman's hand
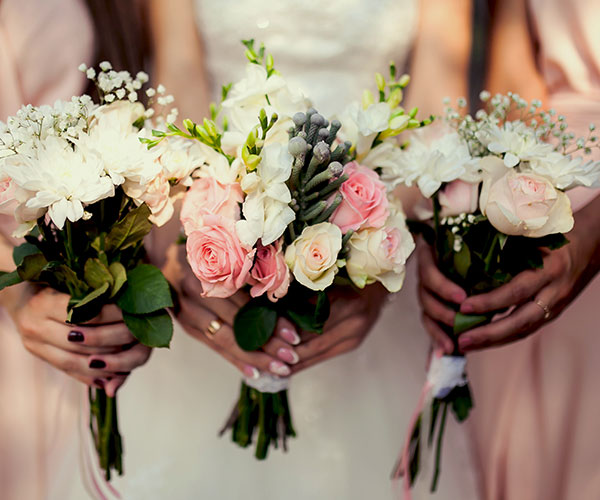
{"x": 100, "y": 353}
{"x": 538, "y": 295}
{"x": 210, "y": 320}
{"x": 353, "y": 315}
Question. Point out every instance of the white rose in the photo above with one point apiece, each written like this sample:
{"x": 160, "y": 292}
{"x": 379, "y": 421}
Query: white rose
{"x": 361, "y": 126}
{"x": 523, "y": 203}
{"x": 156, "y": 195}
{"x": 380, "y": 254}
{"x": 313, "y": 256}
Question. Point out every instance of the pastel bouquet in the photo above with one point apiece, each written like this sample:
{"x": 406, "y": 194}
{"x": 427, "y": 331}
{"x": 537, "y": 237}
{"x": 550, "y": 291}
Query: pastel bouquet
{"x": 496, "y": 184}
{"x": 287, "y": 205}
{"x": 84, "y": 192}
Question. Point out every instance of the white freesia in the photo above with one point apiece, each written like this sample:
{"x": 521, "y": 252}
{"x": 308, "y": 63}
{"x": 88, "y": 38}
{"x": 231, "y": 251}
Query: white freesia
{"x": 114, "y": 140}
{"x": 381, "y": 254}
{"x": 515, "y": 140}
{"x": 59, "y": 179}
{"x": 266, "y": 208}
{"x": 360, "y": 126}
{"x": 566, "y": 172}
{"x": 251, "y": 94}
{"x": 179, "y": 158}
{"x": 431, "y": 163}
{"x": 313, "y": 256}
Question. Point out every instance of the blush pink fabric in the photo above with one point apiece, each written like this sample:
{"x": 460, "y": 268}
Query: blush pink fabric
{"x": 42, "y": 42}
{"x": 537, "y": 418}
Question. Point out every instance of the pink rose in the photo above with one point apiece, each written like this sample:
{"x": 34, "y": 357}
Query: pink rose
{"x": 523, "y": 203}
{"x": 217, "y": 257}
{"x": 8, "y": 203}
{"x": 208, "y": 196}
{"x": 364, "y": 201}
{"x": 270, "y": 273}
{"x": 459, "y": 197}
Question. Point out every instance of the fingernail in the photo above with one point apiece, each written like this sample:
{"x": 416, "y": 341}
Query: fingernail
{"x": 97, "y": 363}
{"x": 466, "y": 308}
{"x": 464, "y": 342}
{"x": 99, "y": 383}
{"x": 251, "y": 372}
{"x": 290, "y": 336}
{"x": 287, "y": 355}
{"x": 278, "y": 368}
{"x": 124, "y": 374}
{"x": 459, "y": 296}
{"x": 75, "y": 336}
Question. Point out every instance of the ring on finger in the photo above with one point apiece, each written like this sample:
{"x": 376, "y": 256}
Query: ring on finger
{"x": 544, "y": 308}
{"x": 213, "y": 327}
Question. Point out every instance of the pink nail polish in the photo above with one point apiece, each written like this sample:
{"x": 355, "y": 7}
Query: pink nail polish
{"x": 464, "y": 342}
{"x": 251, "y": 372}
{"x": 290, "y": 336}
{"x": 466, "y": 308}
{"x": 287, "y": 355}
{"x": 278, "y": 368}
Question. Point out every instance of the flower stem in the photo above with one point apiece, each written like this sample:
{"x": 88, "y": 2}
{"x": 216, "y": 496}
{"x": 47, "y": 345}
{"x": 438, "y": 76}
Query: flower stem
{"x": 438, "y": 448}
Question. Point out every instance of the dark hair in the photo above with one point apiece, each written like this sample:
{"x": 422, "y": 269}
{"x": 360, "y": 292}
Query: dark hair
{"x": 121, "y": 34}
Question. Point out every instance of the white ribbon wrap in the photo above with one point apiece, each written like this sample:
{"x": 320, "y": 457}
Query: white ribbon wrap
{"x": 268, "y": 383}
{"x": 446, "y": 373}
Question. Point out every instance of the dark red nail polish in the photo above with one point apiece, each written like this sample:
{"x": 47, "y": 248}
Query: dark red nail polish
{"x": 75, "y": 336}
{"x": 97, "y": 363}
{"x": 122, "y": 373}
{"x": 99, "y": 383}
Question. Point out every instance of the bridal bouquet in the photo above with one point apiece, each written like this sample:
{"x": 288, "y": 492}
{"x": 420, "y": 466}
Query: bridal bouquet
{"x": 84, "y": 191}
{"x": 497, "y": 184}
{"x": 288, "y": 205}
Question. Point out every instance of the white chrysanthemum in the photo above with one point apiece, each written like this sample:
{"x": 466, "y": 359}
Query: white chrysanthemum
{"x": 360, "y": 126}
{"x": 429, "y": 164}
{"x": 515, "y": 140}
{"x": 266, "y": 208}
{"x": 114, "y": 140}
{"x": 58, "y": 179}
{"x": 566, "y": 172}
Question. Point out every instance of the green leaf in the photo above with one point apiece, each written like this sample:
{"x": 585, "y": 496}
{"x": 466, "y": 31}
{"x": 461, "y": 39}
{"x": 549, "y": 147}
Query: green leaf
{"x": 462, "y": 260}
{"x": 308, "y": 316}
{"x": 89, "y": 307}
{"x": 58, "y": 273}
{"x": 32, "y": 266}
{"x": 254, "y": 324}
{"x": 464, "y": 322}
{"x": 147, "y": 291}
{"x": 553, "y": 241}
{"x": 462, "y": 402}
{"x": 22, "y": 251}
{"x": 96, "y": 274}
{"x": 129, "y": 230}
{"x": 117, "y": 270}
{"x": 152, "y": 330}
{"x": 9, "y": 279}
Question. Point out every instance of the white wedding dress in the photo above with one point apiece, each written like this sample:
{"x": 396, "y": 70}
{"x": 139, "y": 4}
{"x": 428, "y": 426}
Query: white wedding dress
{"x": 350, "y": 413}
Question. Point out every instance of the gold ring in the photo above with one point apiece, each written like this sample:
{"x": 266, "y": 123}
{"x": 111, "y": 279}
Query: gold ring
{"x": 213, "y": 327}
{"x": 544, "y": 307}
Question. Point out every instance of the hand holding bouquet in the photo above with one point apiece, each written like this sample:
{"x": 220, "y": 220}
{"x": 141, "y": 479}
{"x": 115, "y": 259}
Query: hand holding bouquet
{"x": 497, "y": 188}
{"x": 84, "y": 192}
{"x": 289, "y": 204}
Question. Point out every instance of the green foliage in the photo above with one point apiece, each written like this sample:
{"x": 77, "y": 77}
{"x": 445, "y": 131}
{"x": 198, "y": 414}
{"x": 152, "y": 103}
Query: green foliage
{"x": 153, "y": 330}
{"x": 9, "y": 279}
{"x": 146, "y": 291}
{"x": 254, "y": 324}
{"x": 307, "y": 309}
{"x": 130, "y": 230}
{"x": 22, "y": 251}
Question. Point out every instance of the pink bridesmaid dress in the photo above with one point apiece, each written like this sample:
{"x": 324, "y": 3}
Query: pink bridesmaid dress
{"x": 537, "y": 418}
{"x": 42, "y": 42}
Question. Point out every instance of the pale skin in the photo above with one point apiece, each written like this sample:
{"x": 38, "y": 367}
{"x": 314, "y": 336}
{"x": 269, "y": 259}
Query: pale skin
{"x": 439, "y": 54}
{"x": 566, "y": 271}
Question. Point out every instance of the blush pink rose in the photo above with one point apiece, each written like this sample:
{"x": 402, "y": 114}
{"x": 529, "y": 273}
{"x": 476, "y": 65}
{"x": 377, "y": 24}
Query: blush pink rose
{"x": 208, "y": 196}
{"x": 270, "y": 273}
{"x": 364, "y": 201}
{"x": 459, "y": 197}
{"x": 217, "y": 257}
{"x": 8, "y": 203}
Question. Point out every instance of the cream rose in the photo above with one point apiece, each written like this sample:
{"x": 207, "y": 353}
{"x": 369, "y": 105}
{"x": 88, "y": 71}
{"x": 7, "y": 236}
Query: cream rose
{"x": 523, "y": 203}
{"x": 458, "y": 197}
{"x": 380, "y": 254}
{"x": 313, "y": 256}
